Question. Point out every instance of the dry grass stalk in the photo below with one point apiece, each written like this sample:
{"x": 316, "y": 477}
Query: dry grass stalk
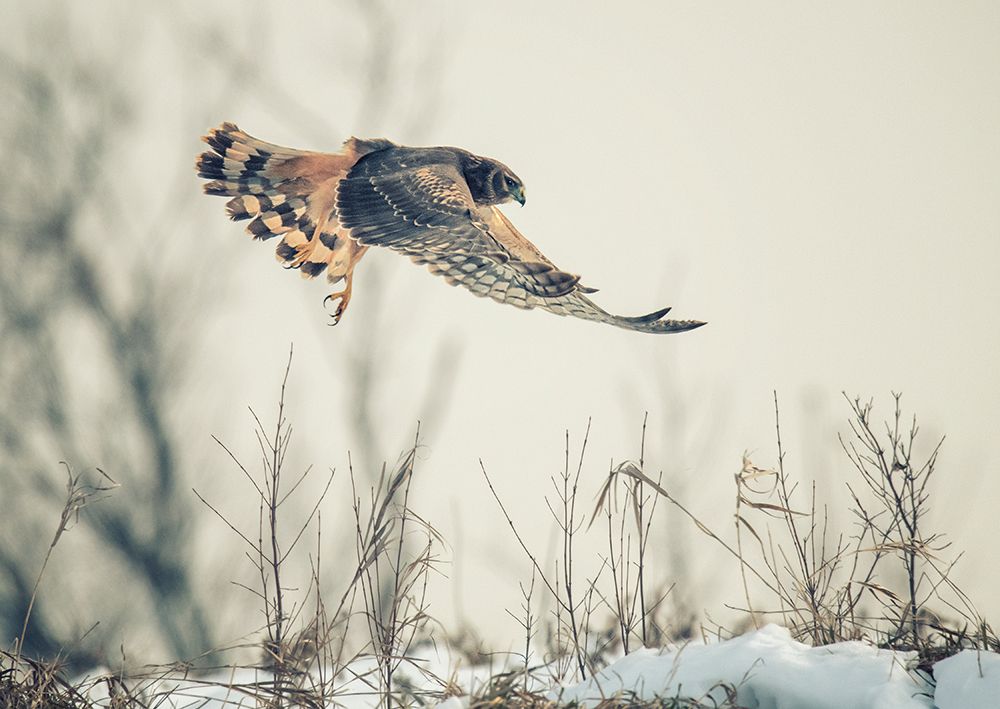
{"x": 782, "y": 545}
{"x": 287, "y": 655}
{"x": 393, "y": 582}
{"x": 567, "y": 637}
{"x": 27, "y": 682}
{"x": 78, "y": 496}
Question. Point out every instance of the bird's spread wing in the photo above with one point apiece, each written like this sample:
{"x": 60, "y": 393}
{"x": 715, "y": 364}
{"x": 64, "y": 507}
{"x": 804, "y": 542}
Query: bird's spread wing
{"x": 575, "y": 303}
{"x": 427, "y": 212}
{"x": 283, "y": 192}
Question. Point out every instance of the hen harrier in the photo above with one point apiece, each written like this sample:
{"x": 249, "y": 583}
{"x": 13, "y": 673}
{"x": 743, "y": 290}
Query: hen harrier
{"x": 436, "y": 205}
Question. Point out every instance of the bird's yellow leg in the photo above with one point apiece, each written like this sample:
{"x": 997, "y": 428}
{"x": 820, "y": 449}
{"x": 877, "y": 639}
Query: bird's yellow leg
{"x": 343, "y": 297}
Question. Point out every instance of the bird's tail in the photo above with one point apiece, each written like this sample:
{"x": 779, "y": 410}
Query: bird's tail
{"x": 283, "y": 192}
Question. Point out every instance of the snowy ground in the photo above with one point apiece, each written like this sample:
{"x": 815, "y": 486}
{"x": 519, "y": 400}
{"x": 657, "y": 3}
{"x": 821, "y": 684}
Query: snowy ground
{"x": 767, "y": 668}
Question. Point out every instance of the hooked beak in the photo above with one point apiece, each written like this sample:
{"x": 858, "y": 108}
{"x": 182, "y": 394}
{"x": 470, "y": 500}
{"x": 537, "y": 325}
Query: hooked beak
{"x": 518, "y": 194}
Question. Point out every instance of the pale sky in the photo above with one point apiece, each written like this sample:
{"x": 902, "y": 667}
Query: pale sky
{"x": 818, "y": 181}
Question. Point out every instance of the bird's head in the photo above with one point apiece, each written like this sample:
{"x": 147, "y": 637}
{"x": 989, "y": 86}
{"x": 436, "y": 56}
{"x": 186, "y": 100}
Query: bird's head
{"x": 492, "y": 182}
{"x": 511, "y": 186}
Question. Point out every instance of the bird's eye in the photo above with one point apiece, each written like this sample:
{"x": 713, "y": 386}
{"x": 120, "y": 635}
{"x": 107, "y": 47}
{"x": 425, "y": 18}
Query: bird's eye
{"x": 510, "y": 182}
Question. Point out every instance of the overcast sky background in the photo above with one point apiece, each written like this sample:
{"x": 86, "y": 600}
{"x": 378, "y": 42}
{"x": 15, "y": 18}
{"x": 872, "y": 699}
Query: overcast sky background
{"x": 818, "y": 181}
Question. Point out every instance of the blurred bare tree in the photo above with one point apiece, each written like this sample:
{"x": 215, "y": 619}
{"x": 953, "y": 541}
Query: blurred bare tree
{"x": 92, "y": 318}
{"x": 85, "y": 321}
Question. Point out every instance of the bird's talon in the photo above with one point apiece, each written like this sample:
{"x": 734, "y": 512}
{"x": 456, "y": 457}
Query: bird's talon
{"x": 343, "y": 297}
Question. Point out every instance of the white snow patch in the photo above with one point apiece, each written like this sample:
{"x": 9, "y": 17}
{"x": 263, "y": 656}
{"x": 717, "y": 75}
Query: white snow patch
{"x": 968, "y": 680}
{"x": 769, "y": 671}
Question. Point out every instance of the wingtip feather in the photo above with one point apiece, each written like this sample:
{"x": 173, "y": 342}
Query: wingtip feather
{"x": 649, "y": 317}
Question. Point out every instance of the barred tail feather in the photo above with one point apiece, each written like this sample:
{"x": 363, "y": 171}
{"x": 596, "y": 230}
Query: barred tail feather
{"x": 283, "y": 192}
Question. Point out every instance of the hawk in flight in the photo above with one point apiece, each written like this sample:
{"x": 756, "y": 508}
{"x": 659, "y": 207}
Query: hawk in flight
{"x": 436, "y": 205}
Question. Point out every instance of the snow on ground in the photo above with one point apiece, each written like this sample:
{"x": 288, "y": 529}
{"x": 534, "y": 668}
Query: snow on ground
{"x": 767, "y": 669}
{"x": 968, "y": 679}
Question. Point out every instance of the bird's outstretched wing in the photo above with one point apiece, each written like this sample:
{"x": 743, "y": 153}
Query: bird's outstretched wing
{"x": 427, "y": 212}
{"x": 576, "y": 303}
{"x": 420, "y": 205}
